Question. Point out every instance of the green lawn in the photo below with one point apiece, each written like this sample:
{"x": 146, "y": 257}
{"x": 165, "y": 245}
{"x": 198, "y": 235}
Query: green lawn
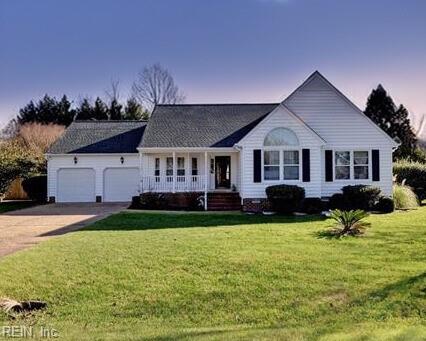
{"x": 222, "y": 276}
{"x": 8, "y": 206}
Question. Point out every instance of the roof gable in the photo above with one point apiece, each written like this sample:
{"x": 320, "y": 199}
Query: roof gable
{"x": 281, "y": 116}
{"x": 322, "y": 106}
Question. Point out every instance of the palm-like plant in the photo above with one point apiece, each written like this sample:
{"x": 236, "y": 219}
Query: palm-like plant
{"x": 349, "y": 223}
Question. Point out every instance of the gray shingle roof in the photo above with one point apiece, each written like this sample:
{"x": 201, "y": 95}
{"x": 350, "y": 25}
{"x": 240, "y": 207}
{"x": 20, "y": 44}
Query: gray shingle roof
{"x": 100, "y": 137}
{"x": 202, "y": 125}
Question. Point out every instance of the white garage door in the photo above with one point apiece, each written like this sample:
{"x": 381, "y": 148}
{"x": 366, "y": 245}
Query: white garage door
{"x": 120, "y": 184}
{"x": 76, "y": 185}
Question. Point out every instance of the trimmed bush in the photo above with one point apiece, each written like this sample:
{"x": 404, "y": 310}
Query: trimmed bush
{"x": 36, "y": 188}
{"x": 413, "y": 174}
{"x": 153, "y": 201}
{"x": 361, "y": 197}
{"x": 312, "y": 205}
{"x": 385, "y": 205}
{"x": 285, "y": 199}
{"x": 404, "y": 197}
{"x": 337, "y": 201}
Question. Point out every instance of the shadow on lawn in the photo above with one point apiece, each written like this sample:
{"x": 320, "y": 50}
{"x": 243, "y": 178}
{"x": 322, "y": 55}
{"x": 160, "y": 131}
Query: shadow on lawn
{"x": 151, "y": 221}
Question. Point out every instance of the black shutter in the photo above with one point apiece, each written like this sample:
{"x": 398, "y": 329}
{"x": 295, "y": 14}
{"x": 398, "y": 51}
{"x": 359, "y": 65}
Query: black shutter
{"x": 306, "y": 165}
{"x": 375, "y": 155}
{"x": 257, "y": 165}
{"x": 328, "y": 165}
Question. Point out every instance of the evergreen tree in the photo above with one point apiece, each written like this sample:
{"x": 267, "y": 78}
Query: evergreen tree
{"x": 100, "y": 110}
{"x": 47, "y": 110}
{"x": 382, "y": 110}
{"x": 115, "y": 109}
{"x": 134, "y": 111}
{"x": 85, "y": 110}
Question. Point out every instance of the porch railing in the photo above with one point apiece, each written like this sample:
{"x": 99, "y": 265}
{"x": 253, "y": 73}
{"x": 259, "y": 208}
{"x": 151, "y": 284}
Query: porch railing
{"x": 170, "y": 183}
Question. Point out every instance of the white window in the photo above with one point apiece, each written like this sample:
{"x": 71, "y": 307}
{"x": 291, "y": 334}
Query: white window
{"x": 280, "y": 159}
{"x": 157, "y": 169}
{"x": 342, "y": 165}
{"x": 194, "y": 166}
{"x": 180, "y": 167}
{"x": 291, "y": 165}
{"x": 169, "y": 166}
{"x": 361, "y": 165}
{"x": 271, "y": 165}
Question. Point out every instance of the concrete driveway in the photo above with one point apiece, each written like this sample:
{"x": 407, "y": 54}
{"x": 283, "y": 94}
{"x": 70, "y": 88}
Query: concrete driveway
{"x": 24, "y": 228}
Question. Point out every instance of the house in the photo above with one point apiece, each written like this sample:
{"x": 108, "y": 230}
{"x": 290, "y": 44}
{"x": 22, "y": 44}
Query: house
{"x": 316, "y": 138}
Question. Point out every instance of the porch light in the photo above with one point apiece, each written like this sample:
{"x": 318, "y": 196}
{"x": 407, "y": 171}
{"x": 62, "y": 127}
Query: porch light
{"x": 75, "y": 160}
{"x": 122, "y": 160}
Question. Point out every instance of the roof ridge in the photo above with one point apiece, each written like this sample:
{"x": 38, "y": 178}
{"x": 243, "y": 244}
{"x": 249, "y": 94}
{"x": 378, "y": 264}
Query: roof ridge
{"x": 216, "y": 104}
{"x": 109, "y": 121}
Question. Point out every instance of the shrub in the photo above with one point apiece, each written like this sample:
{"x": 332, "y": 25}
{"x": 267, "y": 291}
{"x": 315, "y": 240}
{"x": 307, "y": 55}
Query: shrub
{"x": 361, "y": 197}
{"x": 285, "y": 198}
{"x": 194, "y": 201}
{"x": 153, "y": 201}
{"x": 385, "y": 205}
{"x": 337, "y": 201}
{"x": 404, "y": 197}
{"x": 312, "y": 205}
{"x": 136, "y": 202}
{"x": 414, "y": 175}
{"x": 36, "y": 188}
{"x": 349, "y": 223}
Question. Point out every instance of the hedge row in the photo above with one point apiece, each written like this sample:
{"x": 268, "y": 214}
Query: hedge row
{"x": 413, "y": 174}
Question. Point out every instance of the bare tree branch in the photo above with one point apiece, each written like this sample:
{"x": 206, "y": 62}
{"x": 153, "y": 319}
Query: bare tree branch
{"x": 155, "y": 85}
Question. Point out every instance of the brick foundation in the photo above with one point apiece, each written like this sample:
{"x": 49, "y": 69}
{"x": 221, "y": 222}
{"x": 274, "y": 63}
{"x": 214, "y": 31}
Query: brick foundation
{"x": 256, "y": 205}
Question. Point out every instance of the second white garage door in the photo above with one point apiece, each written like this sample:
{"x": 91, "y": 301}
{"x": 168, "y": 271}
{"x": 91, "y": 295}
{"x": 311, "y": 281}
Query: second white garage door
{"x": 120, "y": 184}
{"x": 76, "y": 185}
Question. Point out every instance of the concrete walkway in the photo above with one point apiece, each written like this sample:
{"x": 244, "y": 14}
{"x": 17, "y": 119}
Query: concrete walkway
{"x": 24, "y": 228}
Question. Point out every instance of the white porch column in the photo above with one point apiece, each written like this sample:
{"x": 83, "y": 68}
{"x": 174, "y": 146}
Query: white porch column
{"x": 174, "y": 172}
{"x": 205, "y": 180}
{"x": 140, "y": 172}
{"x": 188, "y": 178}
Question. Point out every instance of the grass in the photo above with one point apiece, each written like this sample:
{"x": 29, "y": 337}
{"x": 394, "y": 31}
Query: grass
{"x": 7, "y": 206}
{"x": 163, "y": 276}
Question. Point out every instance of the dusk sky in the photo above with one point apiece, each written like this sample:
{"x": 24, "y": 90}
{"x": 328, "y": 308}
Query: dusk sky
{"x": 218, "y": 51}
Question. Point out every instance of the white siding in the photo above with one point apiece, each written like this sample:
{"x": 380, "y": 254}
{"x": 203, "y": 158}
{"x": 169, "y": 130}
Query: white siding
{"x": 307, "y": 139}
{"x": 96, "y": 162}
{"x": 343, "y": 128}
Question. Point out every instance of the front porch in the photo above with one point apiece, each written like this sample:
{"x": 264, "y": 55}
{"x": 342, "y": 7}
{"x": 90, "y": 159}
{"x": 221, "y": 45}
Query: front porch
{"x": 190, "y": 171}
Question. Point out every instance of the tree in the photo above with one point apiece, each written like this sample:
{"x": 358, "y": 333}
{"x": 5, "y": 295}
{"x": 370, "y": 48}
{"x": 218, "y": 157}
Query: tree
{"x": 47, "y": 110}
{"x": 394, "y": 121}
{"x": 155, "y": 85}
{"x": 115, "y": 108}
{"x": 15, "y": 162}
{"x": 134, "y": 111}
{"x": 85, "y": 110}
{"x": 35, "y": 139}
{"x": 100, "y": 110}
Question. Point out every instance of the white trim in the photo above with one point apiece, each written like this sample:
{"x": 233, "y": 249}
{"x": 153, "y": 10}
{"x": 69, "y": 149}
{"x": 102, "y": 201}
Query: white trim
{"x": 92, "y": 154}
{"x": 345, "y": 98}
{"x": 184, "y": 149}
{"x": 352, "y": 165}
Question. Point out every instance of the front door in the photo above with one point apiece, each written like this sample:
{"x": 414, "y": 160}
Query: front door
{"x": 223, "y": 171}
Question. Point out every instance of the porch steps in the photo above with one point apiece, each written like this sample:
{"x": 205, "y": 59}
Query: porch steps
{"x": 223, "y": 201}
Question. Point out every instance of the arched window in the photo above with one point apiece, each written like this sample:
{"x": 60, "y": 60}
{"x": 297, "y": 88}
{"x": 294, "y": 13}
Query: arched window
{"x": 281, "y": 137}
{"x": 281, "y": 155}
